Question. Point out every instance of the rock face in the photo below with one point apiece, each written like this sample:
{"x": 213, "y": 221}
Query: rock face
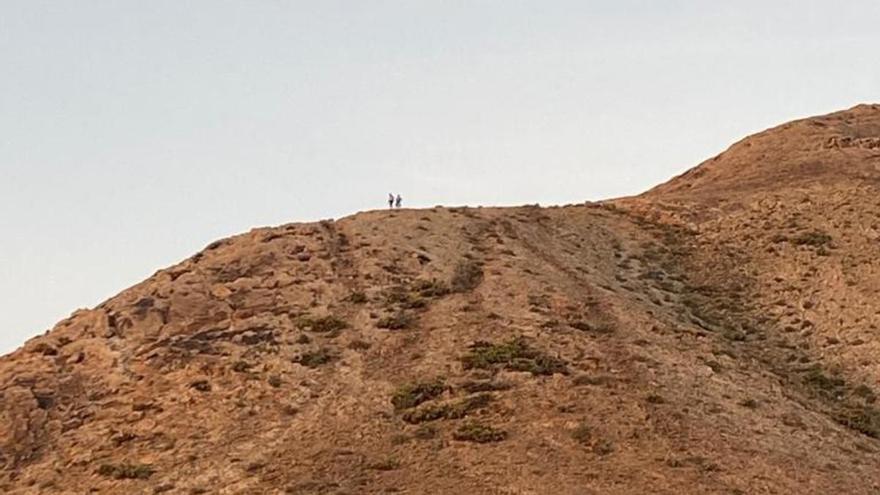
{"x": 717, "y": 334}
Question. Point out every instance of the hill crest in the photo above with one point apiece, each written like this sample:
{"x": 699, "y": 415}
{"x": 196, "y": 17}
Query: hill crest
{"x": 631, "y": 346}
{"x": 840, "y": 146}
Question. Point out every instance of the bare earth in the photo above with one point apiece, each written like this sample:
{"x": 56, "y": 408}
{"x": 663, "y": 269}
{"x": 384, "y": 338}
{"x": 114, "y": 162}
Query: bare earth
{"x": 717, "y": 334}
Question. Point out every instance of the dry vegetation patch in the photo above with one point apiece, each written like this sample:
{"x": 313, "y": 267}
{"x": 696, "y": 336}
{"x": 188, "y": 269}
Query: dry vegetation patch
{"x": 513, "y": 355}
{"x": 479, "y": 433}
{"x": 467, "y": 276}
{"x": 413, "y": 394}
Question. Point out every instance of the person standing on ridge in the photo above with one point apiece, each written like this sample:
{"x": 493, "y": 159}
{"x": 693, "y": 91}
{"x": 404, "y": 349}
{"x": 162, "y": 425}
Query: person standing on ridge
{"x": 390, "y": 200}
{"x": 398, "y": 201}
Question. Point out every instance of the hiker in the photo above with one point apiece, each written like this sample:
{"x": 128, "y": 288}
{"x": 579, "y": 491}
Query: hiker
{"x": 390, "y": 200}
{"x": 398, "y": 201}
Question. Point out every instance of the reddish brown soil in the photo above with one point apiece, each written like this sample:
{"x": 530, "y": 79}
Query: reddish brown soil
{"x": 717, "y": 334}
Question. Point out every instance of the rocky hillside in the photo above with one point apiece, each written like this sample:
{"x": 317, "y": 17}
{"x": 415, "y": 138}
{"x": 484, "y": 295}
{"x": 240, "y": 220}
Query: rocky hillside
{"x": 717, "y": 334}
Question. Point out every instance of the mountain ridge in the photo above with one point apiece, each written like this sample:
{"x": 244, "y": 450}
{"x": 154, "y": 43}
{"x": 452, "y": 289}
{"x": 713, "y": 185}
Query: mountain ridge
{"x": 716, "y": 334}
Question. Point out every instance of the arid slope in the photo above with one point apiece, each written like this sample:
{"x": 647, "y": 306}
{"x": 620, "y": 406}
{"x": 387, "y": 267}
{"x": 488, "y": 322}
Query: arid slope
{"x": 714, "y": 335}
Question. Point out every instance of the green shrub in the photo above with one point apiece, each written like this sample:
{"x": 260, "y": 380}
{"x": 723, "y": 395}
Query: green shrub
{"x": 431, "y": 288}
{"x": 399, "y": 439}
{"x": 401, "y": 297}
{"x": 241, "y": 366}
{"x": 474, "y": 387}
{"x": 479, "y": 433}
{"x": 814, "y": 238}
{"x": 514, "y": 355}
{"x": 201, "y": 385}
{"x": 779, "y": 238}
{"x": 357, "y": 297}
{"x": 413, "y": 394}
{"x": 359, "y": 345}
{"x": 389, "y": 464}
{"x": 583, "y": 434}
{"x": 603, "y": 447}
{"x": 601, "y": 327}
{"x": 467, "y": 276}
{"x": 865, "y": 420}
{"x": 462, "y": 408}
{"x": 314, "y": 359}
{"x": 450, "y": 410}
{"x": 431, "y": 412}
{"x": 324, "y": 324}
{"x": 828, "y": 386}
{"x": 425, "y": 432}
{"x": 397, "y": 321}
{"x": 865, "y": 392}
{"x": 126, "y": 471}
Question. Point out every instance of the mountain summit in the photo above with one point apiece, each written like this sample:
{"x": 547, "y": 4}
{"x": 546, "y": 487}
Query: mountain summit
{"x": 717, "y": 334}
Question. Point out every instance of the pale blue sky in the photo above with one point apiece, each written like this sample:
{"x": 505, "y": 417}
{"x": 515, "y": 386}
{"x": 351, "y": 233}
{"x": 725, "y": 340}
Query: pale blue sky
{"x": 133, "y": 133}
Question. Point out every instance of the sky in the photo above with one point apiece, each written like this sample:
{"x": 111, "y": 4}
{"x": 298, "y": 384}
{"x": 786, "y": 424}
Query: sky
{"x": 134, "y": 133}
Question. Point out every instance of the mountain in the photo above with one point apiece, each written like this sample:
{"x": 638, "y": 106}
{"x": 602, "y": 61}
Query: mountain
{"x": 716, "y": 334}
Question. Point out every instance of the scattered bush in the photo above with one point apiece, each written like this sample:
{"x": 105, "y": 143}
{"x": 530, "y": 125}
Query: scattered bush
{"x": 583, "y": 434}
{"x": 44, "y": 349}
{"x": 431, "y": 288}
{"x": 413, "y": 394}
{"x": 126, "y": 471}
{"x": 397, "y": 321}
{"x": 865, "y": 420}
{"x": 415, "y": 303}
{"x": 399, "y": 439}
{"x": 314, "y": 359}
{"x": 865, "y": 393}
{"x": 603, "y": 447}
{"x": 241, "y": 366}
{"x": 427, "y": 413}
{"x": 479, "y": 433}
{"x": 389, "y": 464}
{"x": 513, "y": 355}
{"x": 359, "y": 345}
{"x": 814, "y": 239}
{"x": 474, "y": 387}
{"x": 601, "y": 327}
{"x": 830, "y": 387}
{"x": 467, "y": 276}
{"x": 324, "y": 324}
{"x": 425, "y": 432}
{"x": 450, "y": 410}
{"x": 357, "y": 297}
{"x": 398, "y": 295}
{"x": 201, "y": 385}
{"x": 461, "y": 408}
{"x": 401, "y": 297}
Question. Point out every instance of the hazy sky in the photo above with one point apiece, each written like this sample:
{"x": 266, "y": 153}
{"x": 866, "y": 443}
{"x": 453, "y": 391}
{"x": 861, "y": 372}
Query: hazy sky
{"x": 133, "y": 133}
